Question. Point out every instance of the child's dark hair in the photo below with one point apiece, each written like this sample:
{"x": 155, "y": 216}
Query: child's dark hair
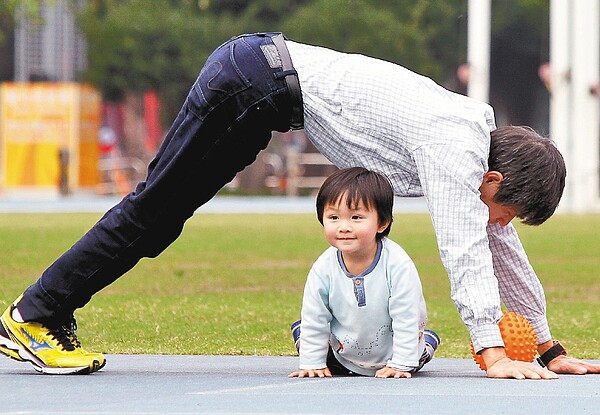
{"x": 360, "y": 185}
{"x": 534, "y": 172}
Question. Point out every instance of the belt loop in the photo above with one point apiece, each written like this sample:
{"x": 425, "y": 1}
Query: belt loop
{"x": 291, "y": 79}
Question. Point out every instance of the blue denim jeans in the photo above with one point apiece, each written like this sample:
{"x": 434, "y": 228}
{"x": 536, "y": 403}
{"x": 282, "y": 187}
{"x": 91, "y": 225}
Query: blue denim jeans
{"x": 226, "y": 119}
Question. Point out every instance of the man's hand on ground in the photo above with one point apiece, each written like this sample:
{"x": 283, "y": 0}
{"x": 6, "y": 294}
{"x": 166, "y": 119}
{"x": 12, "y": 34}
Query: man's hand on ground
{"x": 572, "y": 366}
{"x": 506, "y": 368}
{"x": 500, "y": 366}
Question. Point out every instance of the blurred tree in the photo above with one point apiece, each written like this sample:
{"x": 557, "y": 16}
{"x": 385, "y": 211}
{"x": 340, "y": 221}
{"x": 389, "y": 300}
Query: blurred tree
{"x": 6, "y": 47}
{"x": 136, "y": 45}
{"x": 425, "y": 36}
{"x": 8, "y": 9}
{"x": 140, "y": 45}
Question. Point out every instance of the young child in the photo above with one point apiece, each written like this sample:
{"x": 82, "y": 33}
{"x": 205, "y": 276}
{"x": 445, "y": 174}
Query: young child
{"x": 363, "y": 310}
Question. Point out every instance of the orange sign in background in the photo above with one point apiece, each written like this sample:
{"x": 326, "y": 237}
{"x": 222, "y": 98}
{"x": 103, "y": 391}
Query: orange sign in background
{"x": 37, "y": 122}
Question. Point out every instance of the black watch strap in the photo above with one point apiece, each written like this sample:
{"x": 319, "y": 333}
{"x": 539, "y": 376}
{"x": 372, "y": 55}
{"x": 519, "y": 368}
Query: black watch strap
{"x": 551, "y": 354}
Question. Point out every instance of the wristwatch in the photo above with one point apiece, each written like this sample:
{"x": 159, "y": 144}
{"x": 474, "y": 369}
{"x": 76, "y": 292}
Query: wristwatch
{"x": 551, "y": 354}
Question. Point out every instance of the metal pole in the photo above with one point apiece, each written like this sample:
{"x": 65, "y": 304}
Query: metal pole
{"x": 560, "y": 86}
{"x": 585, "y": 110}
{"x": 478, "y": 49}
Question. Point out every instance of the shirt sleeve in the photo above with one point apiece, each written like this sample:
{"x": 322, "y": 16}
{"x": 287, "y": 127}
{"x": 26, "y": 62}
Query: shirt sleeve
{"x": 316, "y": 316}
{"x": 405, "y": 305}
{"x": 520, "y": 288}
{"x": 450, "y": 176}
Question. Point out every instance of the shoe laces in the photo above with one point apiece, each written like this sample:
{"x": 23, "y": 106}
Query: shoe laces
{"x": 65, "y": 335}
{"x": 72, "y": 329}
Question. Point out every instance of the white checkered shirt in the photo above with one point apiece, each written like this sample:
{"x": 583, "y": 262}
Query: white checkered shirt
{"x": 360, "y": 111}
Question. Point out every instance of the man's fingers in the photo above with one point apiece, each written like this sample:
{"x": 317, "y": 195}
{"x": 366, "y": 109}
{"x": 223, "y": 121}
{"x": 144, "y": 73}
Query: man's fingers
{"x": 591, "y": 368}
{"x": 519, "y": 370}
{"x": 572, "y": 366}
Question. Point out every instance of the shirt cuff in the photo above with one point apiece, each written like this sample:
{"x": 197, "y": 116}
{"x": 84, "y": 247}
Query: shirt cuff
{"x": 540, "y": 325}
{"x": 401, "y": 368}
{"x": 312, "y": 366}
{"x": 486, "y": 336}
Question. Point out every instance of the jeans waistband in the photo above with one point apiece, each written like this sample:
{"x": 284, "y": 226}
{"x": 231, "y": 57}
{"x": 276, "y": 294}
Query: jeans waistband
{"x": 291, "y": 79}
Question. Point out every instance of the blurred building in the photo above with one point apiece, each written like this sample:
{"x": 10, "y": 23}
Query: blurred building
{"x": 48, "y": 120}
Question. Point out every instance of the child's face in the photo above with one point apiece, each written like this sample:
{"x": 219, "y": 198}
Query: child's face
{"x": 351, "y": 230}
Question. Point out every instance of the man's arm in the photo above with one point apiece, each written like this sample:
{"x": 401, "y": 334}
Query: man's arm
{"x": 559, "y": 362}
{"x": 502, "y": 367}
{"x": 447, "y": 175}
{"x": 520, "y": 289}
{"x": 522, "y": 292}
{"x": 450, "y": 179}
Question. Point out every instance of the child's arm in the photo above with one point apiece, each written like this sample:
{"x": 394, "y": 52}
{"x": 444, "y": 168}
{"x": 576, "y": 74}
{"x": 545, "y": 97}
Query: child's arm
{"x": 314, "y": 329}
{"x": 407, "y": 311}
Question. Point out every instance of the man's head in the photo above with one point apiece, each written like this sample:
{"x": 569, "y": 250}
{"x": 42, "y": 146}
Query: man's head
{"x": 532, "y": 173}
{"x": 357, "y": 185}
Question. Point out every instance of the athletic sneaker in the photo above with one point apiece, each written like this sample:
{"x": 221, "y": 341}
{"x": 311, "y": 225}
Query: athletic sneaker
{"x": 55, "y": 351}
{"x": 7, "y": 347}
{"x": 432, "y": 342}
{"x": 296, "y": 334}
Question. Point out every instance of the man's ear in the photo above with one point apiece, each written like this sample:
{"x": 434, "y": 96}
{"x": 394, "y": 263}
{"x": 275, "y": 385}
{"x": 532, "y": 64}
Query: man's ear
{"x": 493, "y": 177}
{"x": 490, "y": 184}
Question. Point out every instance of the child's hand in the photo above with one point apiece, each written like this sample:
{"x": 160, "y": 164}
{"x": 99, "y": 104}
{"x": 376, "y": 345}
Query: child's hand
{"x": 388, "y": 372}
{"x": 311, "y": 373}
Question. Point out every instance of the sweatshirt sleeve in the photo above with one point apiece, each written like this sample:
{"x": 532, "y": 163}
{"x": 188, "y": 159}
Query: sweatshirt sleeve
{"x": 406, "y": 307}
{"x": 316, "y": 316}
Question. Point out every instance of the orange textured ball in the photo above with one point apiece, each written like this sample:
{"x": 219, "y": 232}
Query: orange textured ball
{"x": 520, "y": 340}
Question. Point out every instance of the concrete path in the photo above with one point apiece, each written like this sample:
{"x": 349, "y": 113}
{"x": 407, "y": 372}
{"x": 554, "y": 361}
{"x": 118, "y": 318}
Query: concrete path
{"x": 50, "y": 202}
{"x": 149, "y": 384}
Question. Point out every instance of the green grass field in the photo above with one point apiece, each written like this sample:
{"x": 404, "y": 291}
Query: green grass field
{"x": 232, "y": 284}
